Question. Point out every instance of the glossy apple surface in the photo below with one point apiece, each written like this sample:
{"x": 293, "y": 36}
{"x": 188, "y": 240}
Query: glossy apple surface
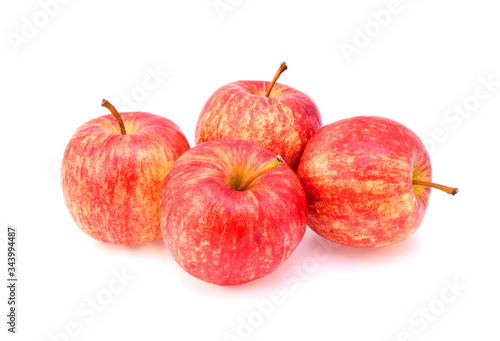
{"x": 358, "y": 177}
{"x": 230, "y": 213}
{"x": 281, "y": 123}
{"x": 111, "y": 182}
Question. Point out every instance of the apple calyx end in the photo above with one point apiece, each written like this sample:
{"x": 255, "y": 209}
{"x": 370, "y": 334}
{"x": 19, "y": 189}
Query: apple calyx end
{"x": 112, "y": 109}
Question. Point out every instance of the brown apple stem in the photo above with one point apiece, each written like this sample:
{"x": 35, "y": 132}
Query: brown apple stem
{"x": 115, "y": 113}
{"x": 449, "y": 190}
{"x": 278, "y": 160}
{"x": 282, "y": 68}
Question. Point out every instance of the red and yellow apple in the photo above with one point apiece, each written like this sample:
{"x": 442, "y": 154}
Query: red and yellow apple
{"x": 112, "y": 171}
{"x": 231, "y": 211}
{"x": 367, "y": 181}
{"x": 272, "y": 115}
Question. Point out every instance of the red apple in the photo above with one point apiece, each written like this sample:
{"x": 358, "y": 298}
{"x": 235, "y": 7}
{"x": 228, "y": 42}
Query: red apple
{"x": 231, "y": 211}
{"x": 272, "y": 115}
{"x": 112, "y": 172}
{"x": 367, "y": 181}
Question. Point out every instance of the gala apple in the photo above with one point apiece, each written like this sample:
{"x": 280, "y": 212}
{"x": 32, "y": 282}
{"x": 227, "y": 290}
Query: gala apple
{"x": 231, "y": 211}
{"x": 272, "y": 115}
{"x": 112, "y": 171}
{"x": 367, "y": 181}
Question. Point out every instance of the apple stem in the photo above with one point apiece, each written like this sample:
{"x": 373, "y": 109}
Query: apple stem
{"x": 449, "y": 190}
{"x": 278, "y": 160}
{"x": 282, "y": 68}
{"x": 115, "y": 113}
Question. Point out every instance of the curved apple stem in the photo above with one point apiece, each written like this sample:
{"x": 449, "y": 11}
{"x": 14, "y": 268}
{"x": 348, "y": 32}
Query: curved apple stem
{"x": 282, "y": 68}
{"x": 115, "y": 113}
{"x": 449, "y": 190}
{"x": 278, "y": 160}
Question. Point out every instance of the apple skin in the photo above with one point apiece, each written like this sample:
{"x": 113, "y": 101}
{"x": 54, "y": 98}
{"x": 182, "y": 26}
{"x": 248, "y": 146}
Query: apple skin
{"x": 224, "y": 236}
{"x": 111, "y": 182}
{"x": 281, "y": 123}
{"x": 357, "y": 174}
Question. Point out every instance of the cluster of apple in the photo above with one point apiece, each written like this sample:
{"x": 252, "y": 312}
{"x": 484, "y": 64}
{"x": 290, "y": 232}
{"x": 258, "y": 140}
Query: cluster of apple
{"x": 235, "y": 206}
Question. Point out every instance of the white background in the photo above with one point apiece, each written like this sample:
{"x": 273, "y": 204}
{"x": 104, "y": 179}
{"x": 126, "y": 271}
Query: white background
{"x": 427, "y": 60}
